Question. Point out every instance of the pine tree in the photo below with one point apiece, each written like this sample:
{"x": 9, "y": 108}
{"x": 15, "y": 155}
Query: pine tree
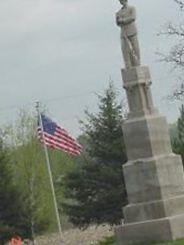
{"x": 10, "y": 206}
{"x": 178, "y": 142}
{"x": 95, "y": 189}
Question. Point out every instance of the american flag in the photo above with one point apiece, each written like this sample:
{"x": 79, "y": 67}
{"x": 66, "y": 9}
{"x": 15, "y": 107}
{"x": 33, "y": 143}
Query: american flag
{"x": 56, "y": 137}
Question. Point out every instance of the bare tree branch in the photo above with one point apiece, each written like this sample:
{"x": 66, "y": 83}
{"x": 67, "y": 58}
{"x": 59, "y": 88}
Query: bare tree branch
{"x": 178, "y": 93}
{"x": 175, "y": 57}
{"x": 173, "y": 30}
{"x": 180, "y": 3}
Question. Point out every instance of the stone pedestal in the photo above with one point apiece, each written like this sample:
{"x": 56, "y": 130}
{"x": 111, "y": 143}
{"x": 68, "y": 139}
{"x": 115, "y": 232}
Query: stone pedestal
{"x": 153, "y": 174}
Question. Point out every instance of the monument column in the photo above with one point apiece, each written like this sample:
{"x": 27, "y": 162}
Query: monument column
{"x": 153, "y": 175}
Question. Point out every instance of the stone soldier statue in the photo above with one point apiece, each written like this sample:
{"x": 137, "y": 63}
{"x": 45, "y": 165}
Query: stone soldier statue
{"x": 125, "y": 18}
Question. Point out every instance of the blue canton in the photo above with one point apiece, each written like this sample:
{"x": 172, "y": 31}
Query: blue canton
{"x": 48, "y": 125}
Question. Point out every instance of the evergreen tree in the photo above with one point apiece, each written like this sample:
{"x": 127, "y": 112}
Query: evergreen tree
{"x": 95, "y": 190}
{"x": 178, "y": 142}
{"x": 10, "y": 206}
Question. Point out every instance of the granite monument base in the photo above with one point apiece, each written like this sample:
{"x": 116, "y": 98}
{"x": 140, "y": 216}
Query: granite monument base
{"x": 165, "y": 229}
{"x": 153, "y": 175}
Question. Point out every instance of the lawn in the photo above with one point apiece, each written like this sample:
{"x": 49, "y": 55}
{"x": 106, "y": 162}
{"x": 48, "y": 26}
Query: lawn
{"x": 111, "y": 241}
{"x": 180, "y": 242}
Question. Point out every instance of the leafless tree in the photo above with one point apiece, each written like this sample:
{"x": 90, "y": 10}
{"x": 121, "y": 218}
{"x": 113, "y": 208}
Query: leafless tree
{"x": 175, "y": 56}
{"x": 180, "y": 3}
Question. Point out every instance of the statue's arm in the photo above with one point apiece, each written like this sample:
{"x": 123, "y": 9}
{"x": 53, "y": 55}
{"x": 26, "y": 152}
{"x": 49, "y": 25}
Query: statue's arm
{"x": 131, "y": 17}
{"x": 126, "y": 19}
{"x": 119, "y": 20}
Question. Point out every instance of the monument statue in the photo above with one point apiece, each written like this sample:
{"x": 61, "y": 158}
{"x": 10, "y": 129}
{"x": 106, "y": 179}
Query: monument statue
{"x": 153, "y": 174}
{"x": 125, "y": 18}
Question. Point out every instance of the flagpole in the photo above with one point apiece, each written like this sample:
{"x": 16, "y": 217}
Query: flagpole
{"x": 50, "y": 172}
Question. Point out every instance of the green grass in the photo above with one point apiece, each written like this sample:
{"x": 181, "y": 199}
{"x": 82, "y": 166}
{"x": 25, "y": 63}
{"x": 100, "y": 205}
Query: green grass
{"x": 112, "y": 241}
{"x": 179, "y": 242}
{"x": 108, "y": 241}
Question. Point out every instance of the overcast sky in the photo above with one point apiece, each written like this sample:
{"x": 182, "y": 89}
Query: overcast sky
{"x": 62, "y": 51}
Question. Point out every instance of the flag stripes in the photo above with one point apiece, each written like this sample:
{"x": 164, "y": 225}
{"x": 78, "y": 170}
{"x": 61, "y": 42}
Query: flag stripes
{"x": 57, "y": 138}
{"x": 56, "y": 143}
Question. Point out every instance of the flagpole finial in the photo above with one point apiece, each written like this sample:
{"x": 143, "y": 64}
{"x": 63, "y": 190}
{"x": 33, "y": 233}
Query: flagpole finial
{"x": 37, "y": 104}
{"x": 38, "y": 107}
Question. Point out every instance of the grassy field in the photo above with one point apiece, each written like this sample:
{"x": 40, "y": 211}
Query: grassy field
{"x": 181, "y": 242}
{"x": 111, "y": 241}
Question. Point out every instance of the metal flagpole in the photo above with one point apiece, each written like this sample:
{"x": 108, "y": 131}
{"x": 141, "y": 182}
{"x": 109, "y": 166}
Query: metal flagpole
{"x": 49, "y": 171}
